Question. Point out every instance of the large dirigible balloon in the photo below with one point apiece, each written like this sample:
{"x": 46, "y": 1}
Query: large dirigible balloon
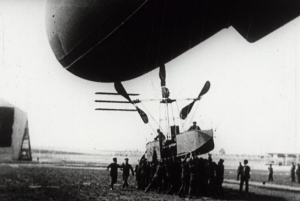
{"x": 118, "y": 40}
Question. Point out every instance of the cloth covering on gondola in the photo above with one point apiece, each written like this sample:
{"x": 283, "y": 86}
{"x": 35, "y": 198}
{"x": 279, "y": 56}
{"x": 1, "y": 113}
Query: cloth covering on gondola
{"x": 198, "y": 141}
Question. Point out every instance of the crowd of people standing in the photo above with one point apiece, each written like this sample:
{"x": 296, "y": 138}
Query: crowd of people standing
{"x": 295, "y": 173}
{"x": 190, "y": 176}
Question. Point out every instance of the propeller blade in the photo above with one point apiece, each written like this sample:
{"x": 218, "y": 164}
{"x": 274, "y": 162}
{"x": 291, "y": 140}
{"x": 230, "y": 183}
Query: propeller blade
{"x": 204, "y": 89}
{"x": 143, "y": 115}
{"x": 187, "y": 109}
{"x": 162, "y": 75}
{"x": 121, "y": 90}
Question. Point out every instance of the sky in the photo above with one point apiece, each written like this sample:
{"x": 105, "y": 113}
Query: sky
{"x": 252, "y": 104}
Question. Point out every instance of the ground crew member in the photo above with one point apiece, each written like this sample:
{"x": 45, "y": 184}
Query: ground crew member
{"x": 239, "y": 171}
{"x": 270, "y": 173}
{"x": 185, "y": 177}
{"x": 157, "y": 178}
{"x": 159, "y": 133}
{"x": 293, "y": 172}
{"x": 113, "y": 172}
{"x": 298, "y": 173}
{"x": 245, "y": 176}
{"x": 193, "y": 181}
{"x": 126, "y": 169}
{"x": 194, "y": 127}
{"x": 220, "y": 177}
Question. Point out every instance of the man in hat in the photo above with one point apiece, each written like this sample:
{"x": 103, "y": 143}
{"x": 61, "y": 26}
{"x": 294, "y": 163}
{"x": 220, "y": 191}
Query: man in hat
{"x": 245, "y": 176}
{"x": 126, "y": 170}
{"x": 113, "y": 172}
{"x": 194, "y": 127}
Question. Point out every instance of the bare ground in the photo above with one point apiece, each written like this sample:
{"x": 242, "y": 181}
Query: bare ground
{"x": 36, "y": 182}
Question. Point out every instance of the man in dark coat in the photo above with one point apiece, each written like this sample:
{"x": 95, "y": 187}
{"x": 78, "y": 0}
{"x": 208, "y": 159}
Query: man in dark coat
{"x": 220, "y": 177}
{"x": 144, "y": 175}
{"x": 126, "y": 170}
{"x": 157, "y": 178}
{"x": 193, "y": 181}
{"x": 293, "y": 172}
{"x": 185, "y": 177}
{"x": 113, "y": 172}
{"x": 159, "y": 133}
{"x": 194, "y": 127}
{"x": 239, "y": 171}
{"x": 245, "y": 177}
{"x": 270, "y": 173}
{"x": 298, "y": 173}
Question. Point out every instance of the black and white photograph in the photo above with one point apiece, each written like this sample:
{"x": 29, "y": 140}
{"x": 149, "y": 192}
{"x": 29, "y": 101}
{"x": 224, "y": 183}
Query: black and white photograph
{"x": 149, "y": 100}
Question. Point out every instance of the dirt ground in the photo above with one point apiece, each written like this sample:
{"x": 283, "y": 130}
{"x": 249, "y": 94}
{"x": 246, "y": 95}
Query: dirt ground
{"x": 36, "y": 182}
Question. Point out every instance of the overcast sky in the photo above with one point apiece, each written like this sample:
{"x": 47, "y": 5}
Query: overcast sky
{"x": 252, "y": 103}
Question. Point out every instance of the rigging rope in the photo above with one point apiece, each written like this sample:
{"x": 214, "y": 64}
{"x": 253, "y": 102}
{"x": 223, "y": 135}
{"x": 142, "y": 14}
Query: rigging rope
{"x": 151, "y": 117}
{"x": 166, "y": 117}
{"x": 197, "y": 104}
{"x": 182, "y": 126}
{"x": 173, "y": 115}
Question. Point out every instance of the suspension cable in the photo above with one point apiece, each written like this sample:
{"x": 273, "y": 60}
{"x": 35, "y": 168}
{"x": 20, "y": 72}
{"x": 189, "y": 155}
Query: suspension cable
{"x": 179, "y": 117}
{"x": 197, "y": 105}
{"x": 149, "y": 114}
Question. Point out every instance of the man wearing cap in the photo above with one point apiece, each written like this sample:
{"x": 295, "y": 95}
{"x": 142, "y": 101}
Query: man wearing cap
{"x": 194, "y": 127}
{"x": 113, "y": 172}
{"x": 245, "y": 176}
{"x": 126, "y": 170}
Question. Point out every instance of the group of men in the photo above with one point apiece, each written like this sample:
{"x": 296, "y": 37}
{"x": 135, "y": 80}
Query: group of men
{"x": 126, "y": 167}
{"x": 190, "y": 176}
{"x": 243, "y": 173}
{"x": 294, "y": 173}
{"x": 161, "y": 136}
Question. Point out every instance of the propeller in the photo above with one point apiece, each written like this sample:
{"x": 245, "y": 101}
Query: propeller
{"x": 162, "y": 75}
{"x": 121, "y": 90}
{"x": 187, "y": 109}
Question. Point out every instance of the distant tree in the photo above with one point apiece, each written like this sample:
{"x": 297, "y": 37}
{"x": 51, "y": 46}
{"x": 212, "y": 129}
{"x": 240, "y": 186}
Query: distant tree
{"x": 222, "y": 151}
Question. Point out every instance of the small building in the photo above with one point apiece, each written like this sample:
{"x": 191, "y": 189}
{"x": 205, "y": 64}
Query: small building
{"x": 282, "y": 159}
{"x": 14, "y": 134}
